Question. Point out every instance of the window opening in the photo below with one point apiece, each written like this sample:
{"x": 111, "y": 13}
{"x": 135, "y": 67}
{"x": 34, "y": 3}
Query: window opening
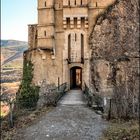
{"x": 45, "y": 4}
{"x": 96, "y": 4}
{"x": 81, "y": 2}
{"x": 69, "y": 2}
{"x": 68, "y": 22}
{"x": 82, "y": 22}
{"x": 75, "y": 22}
{"x": 75, "y": 2}
{"x": 75, "y": 37}
{"x": 82, "y": 46}
{"x": 69, "y": 46}
{"x": 44, "y": 33}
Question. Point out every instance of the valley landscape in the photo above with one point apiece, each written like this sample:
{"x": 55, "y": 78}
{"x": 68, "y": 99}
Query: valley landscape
{"x": 11, "y": 68}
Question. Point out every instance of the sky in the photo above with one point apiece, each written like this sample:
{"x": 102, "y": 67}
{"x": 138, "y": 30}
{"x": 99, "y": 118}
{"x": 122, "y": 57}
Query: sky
{"x": 15, "y": 17}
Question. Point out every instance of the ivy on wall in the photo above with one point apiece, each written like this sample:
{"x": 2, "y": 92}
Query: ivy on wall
{"x": 28, "y": 93}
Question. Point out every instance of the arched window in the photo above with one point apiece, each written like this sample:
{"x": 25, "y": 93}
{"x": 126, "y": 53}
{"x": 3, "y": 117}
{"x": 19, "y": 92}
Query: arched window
{"x": 69, "y": 46}
{"x": 82, "y": 46}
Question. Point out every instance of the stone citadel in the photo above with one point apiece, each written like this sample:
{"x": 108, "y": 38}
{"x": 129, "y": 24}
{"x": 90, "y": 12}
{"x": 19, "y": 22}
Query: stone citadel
{"x": 59, "y": 44}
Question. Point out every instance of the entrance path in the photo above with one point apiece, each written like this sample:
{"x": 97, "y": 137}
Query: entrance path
{"x": 70, "y": 120}
{"x": 73, "y": 97}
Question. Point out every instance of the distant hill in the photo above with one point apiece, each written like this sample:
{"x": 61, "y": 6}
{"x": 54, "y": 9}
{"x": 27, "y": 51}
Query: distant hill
{"x": 6, "y": 43}
{"x": 12, "y": 52}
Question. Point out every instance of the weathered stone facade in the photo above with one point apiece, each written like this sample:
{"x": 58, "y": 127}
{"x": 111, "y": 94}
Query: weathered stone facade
{"x": 115, "y": 50}
{"x": 59, "y": 43}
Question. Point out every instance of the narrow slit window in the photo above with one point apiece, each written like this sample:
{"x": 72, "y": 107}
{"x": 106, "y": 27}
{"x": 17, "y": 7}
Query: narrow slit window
{"x": 69, "y": 3}
{"x": 45, "y": 33}
{"x": 96, "y": 4}
{"x": 75, "y": 37}
{"x": 36, "y": 36}
{"x": 75, "y": 2}
{"x": 45, "y": 4}
{"x": 75, "y": 22}
{"x": 82, "y": 46}
{"x": 69, "y": 46}
{"x": 81, "y": 2}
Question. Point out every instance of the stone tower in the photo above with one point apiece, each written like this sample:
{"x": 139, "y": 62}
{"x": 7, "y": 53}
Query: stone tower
{"x": 58, "y": 44}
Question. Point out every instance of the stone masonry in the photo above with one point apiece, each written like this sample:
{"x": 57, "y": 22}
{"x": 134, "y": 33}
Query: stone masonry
{"x": 60, "y": 40}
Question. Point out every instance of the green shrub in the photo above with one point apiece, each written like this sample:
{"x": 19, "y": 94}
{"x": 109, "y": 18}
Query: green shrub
{"x": 28, "y": 93}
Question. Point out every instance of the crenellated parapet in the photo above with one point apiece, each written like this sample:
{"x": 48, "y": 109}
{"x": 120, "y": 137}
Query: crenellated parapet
{"x": 45, "y": 4}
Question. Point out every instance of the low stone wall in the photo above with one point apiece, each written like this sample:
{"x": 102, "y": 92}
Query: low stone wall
{"x": 50, "y": 94}
{"x": 46, "y": 95}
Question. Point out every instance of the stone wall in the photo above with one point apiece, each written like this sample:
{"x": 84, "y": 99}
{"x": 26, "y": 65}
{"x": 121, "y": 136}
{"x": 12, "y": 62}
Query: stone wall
{"x": 115, "y": 47}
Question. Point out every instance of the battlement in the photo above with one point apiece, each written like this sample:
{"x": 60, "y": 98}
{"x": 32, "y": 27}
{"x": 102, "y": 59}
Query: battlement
{"x": 75, "y": 3}
{"x": 45, "y": 3}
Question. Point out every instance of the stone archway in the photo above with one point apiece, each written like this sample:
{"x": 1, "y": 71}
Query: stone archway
{"x": 75, "y": 77}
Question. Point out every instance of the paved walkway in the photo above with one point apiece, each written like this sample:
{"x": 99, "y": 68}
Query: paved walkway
{"x": 73, "y": 97}
{"x": 70, "y": 120}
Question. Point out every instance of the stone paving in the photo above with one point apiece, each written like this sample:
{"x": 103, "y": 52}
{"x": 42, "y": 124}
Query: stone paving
{"x": 70, "y": 120}
{"x": 73, "y": 97}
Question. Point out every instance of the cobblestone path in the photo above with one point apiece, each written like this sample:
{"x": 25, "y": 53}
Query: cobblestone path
{"x": 70, "y": 120}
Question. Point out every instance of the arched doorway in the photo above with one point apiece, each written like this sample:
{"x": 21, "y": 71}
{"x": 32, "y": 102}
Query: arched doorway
{"x": 75, "y": 77}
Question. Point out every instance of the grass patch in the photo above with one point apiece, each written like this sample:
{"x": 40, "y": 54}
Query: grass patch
{"x": 122, "y": 130}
